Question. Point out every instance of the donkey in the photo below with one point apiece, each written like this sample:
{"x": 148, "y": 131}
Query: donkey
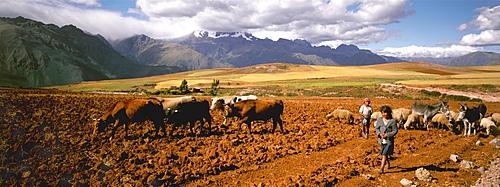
{"x": 429, "y": 110}
{"x": 471, "y": 117}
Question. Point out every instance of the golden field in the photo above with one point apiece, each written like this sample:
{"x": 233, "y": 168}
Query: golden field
{"x": 281, "y": 74}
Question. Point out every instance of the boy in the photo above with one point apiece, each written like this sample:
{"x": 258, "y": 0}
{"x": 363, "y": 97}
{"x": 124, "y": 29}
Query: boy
{"x": 366, "y": 111}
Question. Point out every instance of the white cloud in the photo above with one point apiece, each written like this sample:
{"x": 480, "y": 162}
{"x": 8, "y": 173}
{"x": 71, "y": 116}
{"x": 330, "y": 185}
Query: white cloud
{"x": 318, "y": 21}
{"x": 485, "y": 38}
{"x": 488, "y": 23}
{"x": 432, "y": 52}
{"x": 112, "y": 25}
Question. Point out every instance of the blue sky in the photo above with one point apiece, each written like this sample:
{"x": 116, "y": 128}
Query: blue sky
{"x": 403, "y": 28}
{"x": 435, "y": 23}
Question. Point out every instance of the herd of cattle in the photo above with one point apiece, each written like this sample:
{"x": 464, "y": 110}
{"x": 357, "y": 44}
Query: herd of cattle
{"x": 246, "y": 109}
{"x": 183, "y": 110}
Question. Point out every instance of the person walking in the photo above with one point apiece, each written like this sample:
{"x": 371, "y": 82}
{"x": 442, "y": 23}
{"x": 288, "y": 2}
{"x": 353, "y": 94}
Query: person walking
{"x": 386, "y": 128}
{"x": 366, "y": 111}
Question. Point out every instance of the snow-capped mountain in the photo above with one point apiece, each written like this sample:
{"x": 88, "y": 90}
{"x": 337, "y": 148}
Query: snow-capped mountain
{"x": 243, "y": 49}
{"x": 211, "y": 34}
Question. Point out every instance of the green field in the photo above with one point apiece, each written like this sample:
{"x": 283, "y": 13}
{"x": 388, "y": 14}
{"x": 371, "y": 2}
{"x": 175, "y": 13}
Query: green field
{"x": 305, "y": 76}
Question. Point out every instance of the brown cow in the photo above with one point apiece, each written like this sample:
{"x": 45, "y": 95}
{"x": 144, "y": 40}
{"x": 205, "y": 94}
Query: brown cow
{"x": 252, "y": 110}
{"x": 136, "y": 110}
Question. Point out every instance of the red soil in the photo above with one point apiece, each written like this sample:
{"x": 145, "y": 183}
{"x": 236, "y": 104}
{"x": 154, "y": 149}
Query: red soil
{"x": 46, "y": 140}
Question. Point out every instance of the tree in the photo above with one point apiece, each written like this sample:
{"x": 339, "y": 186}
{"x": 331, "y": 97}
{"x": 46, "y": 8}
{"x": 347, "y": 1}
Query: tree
{"x": 183, "y": 88}
{"x": 214, "y": 89}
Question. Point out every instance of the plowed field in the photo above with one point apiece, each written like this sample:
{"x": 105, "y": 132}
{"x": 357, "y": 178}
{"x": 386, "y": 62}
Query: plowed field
{"x": 46, "y": 141}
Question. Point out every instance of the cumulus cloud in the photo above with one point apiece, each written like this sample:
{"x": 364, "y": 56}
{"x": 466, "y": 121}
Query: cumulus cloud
{"x": 318, "y": 21}
{"x": 428, "y": 52}
{"x": 488, "y": 23}
{"x": 110, "y": 24}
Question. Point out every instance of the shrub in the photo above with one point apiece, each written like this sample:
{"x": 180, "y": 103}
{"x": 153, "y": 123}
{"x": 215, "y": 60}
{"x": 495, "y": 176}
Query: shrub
{"x": 214, "y": 88}
{"x": 461, "y": 98}
{"x": 431, "y": 93}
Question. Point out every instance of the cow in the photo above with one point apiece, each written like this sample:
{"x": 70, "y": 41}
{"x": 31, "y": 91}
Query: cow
{"x": 248, "y": 111}
{"x": 170, "y": 104}
{"x": 471, "y": 116}
{"x": 219, "y": 102}
{"x": 190, "y": 112}
{"x": 135, "y": 110}
{"x": 429, "y": 110}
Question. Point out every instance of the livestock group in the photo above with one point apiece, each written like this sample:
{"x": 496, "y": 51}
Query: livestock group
{"x": 181, "y": 111}
{"x": 438, "y": 115}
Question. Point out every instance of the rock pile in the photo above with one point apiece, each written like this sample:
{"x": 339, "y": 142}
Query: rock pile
{"x": 423, "y": 175}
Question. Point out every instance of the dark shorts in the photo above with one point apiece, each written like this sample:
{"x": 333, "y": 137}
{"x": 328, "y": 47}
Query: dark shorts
{"x": 366, "y": 125}
{"x": 387, "y": 149}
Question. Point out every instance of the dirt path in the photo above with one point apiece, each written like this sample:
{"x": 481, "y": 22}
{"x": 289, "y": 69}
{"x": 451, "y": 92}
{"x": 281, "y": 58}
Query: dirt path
{"x": 419, "y": 153}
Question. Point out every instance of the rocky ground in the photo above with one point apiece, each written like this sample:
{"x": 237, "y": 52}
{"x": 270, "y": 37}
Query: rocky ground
{"x": 46, "y": 141}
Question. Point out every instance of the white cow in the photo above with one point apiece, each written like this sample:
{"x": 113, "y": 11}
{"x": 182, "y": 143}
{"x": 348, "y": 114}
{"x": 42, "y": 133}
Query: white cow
{"x": 170, "y": 104}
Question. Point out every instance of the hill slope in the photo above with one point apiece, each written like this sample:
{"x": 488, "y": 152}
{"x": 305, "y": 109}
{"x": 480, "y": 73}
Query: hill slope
{"x": 36, "y": 54}
{"x": 475, "y": 59}
{"x": 148, "y": 51}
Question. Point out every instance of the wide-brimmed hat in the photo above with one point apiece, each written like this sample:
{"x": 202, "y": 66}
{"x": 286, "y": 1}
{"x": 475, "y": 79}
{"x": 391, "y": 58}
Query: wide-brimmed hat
{"x": 366, "y": 99}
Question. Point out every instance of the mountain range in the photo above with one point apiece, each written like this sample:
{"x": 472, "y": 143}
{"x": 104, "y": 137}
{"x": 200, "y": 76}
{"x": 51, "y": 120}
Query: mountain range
{"x": 34, "y": 54}
{"x": 148, "y": 51}
{"x": 243, "y": 49}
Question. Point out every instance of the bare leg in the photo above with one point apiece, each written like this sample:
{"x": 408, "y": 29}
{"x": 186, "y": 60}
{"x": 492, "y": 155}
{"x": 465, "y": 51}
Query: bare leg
{"x": 384, "y": 160}
{"x": 387, "y": 162}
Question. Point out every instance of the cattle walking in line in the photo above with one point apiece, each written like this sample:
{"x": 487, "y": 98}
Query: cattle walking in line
{"x": 136, "y": 110}
{"x": 253, "y": 110}
{"x": 219, "y": 102}
{"x": 429, "y": 110}
{"x": 190, "y": 112}
{"x": 471, "y": 116}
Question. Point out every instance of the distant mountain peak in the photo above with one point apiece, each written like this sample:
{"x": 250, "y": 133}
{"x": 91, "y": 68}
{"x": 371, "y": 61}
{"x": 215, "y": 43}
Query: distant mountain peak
{"x": 213, "y": 34}
{"x": 350, "y": 50}
{"x": 302, "y": 42}
{"x": 348, "y": 47}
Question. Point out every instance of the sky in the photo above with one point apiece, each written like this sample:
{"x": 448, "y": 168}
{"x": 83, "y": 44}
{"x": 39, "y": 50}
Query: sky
{"x": 400, "y": 28}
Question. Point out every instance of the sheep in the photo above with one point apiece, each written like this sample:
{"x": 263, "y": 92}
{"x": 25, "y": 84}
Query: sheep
{"x": 413, "y": 119}
{"x": 453, "y": 118}
{"x": 375, "y": 116}
{"x": 440, "y": 120}
{"x": 401, "y": 115}
{"x": 488, "y": 124}
{"x": 341, "y": 113}
{"x": 495, "y": 117}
